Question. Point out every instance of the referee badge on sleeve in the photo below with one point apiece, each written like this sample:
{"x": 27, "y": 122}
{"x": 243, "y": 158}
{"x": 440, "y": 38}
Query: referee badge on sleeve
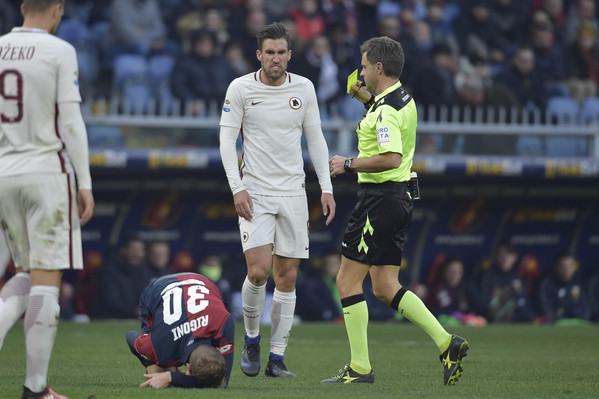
{"x": 382, "y": 135}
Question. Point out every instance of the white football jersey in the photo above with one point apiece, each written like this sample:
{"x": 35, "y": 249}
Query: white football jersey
{"x": 37, "y": 72}
{"x": 271, "y": 120}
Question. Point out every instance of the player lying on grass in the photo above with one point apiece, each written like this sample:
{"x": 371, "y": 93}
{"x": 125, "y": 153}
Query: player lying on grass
{"x": 184, "y": 322}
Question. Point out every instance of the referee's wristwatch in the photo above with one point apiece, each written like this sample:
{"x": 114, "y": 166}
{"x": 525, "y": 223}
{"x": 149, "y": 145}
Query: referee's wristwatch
{"x": 347, "y": 165}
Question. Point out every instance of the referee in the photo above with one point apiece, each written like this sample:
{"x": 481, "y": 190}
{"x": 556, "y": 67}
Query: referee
{"x": 375, "y": 234}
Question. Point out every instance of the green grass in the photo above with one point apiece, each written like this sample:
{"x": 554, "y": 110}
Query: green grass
{"x": 509, "y": 361}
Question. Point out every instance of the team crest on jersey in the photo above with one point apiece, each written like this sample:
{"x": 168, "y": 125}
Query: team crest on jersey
{"x": 382, "y": 135}
{"x": 295, "y": 103}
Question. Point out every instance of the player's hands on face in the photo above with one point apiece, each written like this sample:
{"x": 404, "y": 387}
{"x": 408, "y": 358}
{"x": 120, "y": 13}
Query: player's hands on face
{"x": 328, "y": 206}
{"x": 244, "y": 205}
{"x": 336, "y": 165}
{"x": 157, "y": 380}
{"x": 85, "y": 204}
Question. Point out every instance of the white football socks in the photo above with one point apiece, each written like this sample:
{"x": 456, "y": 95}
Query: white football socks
{"x": 41, "y": 324}
{"x": 281, "y": 316}
{"x": 253, "y": 299}
{"x": 14, "y": 297}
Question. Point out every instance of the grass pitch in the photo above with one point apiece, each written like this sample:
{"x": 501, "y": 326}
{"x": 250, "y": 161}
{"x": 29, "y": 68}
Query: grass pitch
{"x": 92, "y": 361}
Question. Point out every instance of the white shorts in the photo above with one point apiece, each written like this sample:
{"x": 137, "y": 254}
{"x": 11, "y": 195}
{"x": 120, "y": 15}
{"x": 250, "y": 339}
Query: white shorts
{"x": 280, "y": 221}
{"x": 39, "y": 217}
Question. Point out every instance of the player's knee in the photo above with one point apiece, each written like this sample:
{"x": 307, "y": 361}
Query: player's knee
{"x": 285, "y": 280}
{"x": 258, "y": 274}
{"x": 382, "y": 294}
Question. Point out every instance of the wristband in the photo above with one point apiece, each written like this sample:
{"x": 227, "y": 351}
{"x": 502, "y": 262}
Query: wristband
{"x": 347, "y": 165}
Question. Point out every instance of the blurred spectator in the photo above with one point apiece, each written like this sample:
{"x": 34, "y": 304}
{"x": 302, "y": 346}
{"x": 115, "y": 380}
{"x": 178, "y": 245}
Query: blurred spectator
{"x": 318, "y": 66}
{"x": 9, "y": 17}
{"x": 159, "y": 258}
{"x": 423, "y": 42}
{"x": 520, "y": 78}
{"x": 121, "y": 281}
{"x": 340, "y": 11}
{"x": 366, "y": 10}
{"x": 345, "y": 53}
{"x": 479, "y": 103}
{"x": 503, "y": 293}
{"x": 548, "y": 59}
{"x": 474, "y": 31}
{"x": 555, "y": 10}
{"x": 203, "y": 16}
{"x": 309, "y": 22}
{"x": 448, "y": 295}
{"x": 434, "y": 83}
{"x": 211, "y": 266}
{"x": 441, "y": 27}
{"x": 391, "y": 27}
{"x": 317, "y": 296}
{"x": 508, "y": 22}
{"x": 201, "y": 76}
{"x": 254, "y": 22}
{"x": 136, "y": 27}
{"x": 233, "y": 53}
{"x": 215, "y": 23}
{"x": 584, "y": 12}
{"x": 239, "y": 11}
{"x": 276, "y": 10}
{"x": 562, "y": 294}
{"x": 582, "y": 68}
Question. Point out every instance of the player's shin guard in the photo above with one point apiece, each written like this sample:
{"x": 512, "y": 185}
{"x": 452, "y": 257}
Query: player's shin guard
{"x": 14, "y": 297}
{"x": 41, "y": 324}
{"x": 253, "y": 299}
{"x": 281, "y": 317}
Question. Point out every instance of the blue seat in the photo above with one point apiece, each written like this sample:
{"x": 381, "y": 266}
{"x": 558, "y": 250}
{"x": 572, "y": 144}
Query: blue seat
{"x": 74, "y": 32}
{"x": 129, "y": 68}
{"x": 563, "y": 110}
{"x": 161, "y": 67}
{"x": 136, "y": 96}
{"x": 590, "y": 110}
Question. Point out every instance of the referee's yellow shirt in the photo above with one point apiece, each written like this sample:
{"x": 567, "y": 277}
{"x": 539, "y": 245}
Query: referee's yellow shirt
{"x": 385, "y": 128}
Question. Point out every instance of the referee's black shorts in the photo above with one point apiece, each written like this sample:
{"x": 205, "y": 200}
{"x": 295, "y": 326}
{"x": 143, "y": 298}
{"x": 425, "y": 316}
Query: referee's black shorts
{"x": 377, "y": 226}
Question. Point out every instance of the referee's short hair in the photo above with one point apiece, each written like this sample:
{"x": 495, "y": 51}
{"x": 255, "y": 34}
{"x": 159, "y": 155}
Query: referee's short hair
{"x": 386, "y": 51}
{"x": 276, "y": 30}
{"x": 38, "y": 6}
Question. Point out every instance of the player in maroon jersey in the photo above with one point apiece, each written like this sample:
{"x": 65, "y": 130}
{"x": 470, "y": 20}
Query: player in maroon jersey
{"x": 184, "y": 322}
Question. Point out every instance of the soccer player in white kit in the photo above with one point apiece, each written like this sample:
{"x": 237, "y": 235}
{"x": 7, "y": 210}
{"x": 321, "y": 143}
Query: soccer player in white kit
{"x": 42, "y": 139}
{"x": 271, "y": 108}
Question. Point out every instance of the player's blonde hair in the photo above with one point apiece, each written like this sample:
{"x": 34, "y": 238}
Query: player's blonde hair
{"x": 208, "y": 365}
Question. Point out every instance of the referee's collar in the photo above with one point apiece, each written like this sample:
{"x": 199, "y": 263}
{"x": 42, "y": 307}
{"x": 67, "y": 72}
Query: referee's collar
{"x": 388, "y": 90}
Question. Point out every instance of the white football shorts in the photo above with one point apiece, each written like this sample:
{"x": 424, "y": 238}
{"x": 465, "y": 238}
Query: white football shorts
{"x": 39, "y": 218}
{"x": 281, "y": 221}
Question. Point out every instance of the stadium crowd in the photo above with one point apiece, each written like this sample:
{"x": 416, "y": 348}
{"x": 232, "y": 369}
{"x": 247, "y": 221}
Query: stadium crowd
{"x": 504, "y": 288}
{"x": 500, "y": 53}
